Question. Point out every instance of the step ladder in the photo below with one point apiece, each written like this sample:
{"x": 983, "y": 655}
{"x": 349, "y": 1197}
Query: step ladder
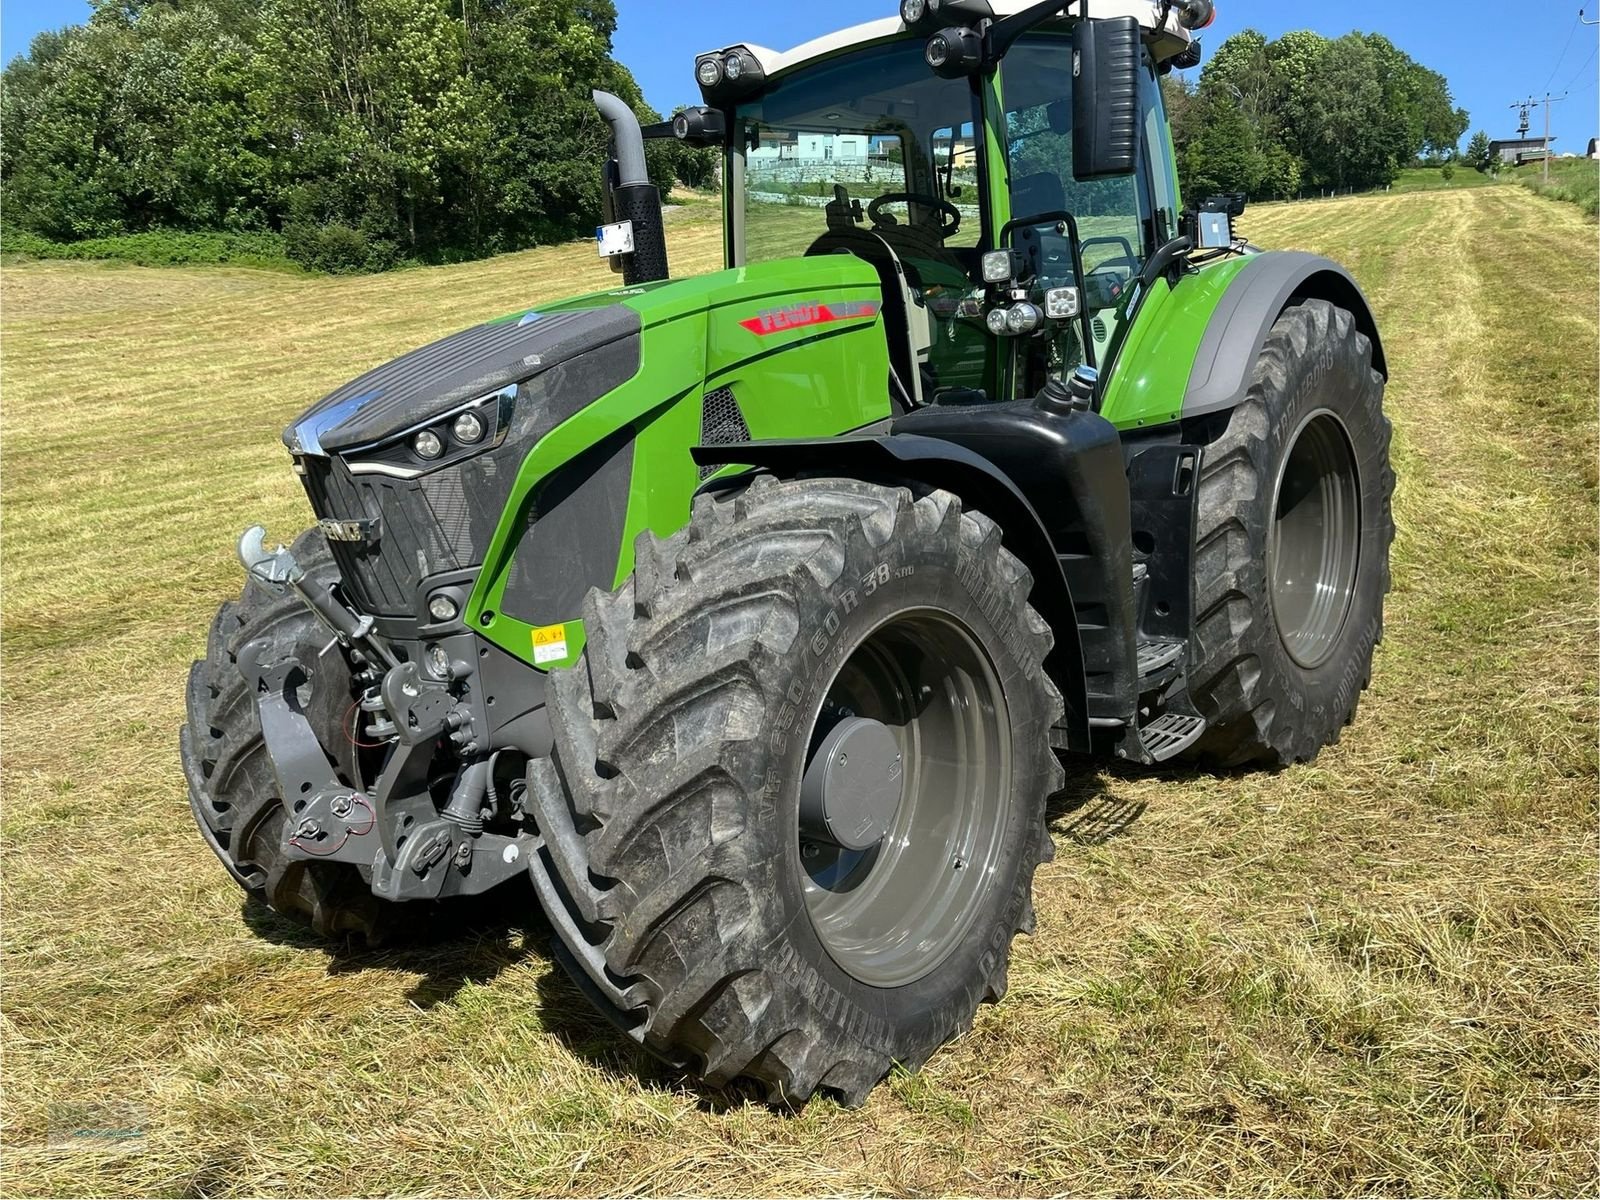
{"x": 1170, "y": 734}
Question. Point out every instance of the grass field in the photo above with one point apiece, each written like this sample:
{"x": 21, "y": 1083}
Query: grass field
{"x": 1574, "y": 180}
{"x": 1373, "y": 974}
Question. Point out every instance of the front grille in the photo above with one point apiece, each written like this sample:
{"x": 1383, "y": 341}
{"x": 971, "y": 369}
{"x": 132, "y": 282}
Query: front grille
{"x": 382, "y": 578}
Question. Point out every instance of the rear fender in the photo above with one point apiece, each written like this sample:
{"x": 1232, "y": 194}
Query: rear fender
{"x": 904, "y": 459}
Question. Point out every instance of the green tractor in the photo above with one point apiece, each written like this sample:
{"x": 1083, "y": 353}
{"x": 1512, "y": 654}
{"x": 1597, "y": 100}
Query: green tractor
{"x": 753, "y": 617}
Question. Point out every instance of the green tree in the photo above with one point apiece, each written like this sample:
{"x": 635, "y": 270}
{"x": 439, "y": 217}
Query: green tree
{"x": 1480, "y": 154}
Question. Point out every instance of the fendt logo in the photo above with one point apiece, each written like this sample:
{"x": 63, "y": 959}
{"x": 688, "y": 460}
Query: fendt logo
{"x": 802, "y": 316}
{"x": 349, "y": 531}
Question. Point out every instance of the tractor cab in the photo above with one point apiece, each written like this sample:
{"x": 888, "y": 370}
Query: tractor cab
{"x": 1005, "y": 169}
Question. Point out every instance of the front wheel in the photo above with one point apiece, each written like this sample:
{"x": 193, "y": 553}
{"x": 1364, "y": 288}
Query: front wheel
{"x": 1292, "y": 551}
{"x": 799, "y": 787}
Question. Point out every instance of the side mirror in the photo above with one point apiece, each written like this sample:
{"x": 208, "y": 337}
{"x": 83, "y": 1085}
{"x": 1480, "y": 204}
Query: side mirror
{"x": 1107, "y": 56}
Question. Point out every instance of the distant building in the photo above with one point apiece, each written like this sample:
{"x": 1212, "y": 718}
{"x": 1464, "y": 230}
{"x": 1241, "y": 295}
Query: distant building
{"x": 1594, "y": 147}
{"x": 811, "y": 148}
{"x": 1518, "y": 150}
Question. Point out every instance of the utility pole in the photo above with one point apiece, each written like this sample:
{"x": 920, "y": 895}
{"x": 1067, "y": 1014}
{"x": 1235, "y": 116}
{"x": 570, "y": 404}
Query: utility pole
{"x": 1530, "y": 102}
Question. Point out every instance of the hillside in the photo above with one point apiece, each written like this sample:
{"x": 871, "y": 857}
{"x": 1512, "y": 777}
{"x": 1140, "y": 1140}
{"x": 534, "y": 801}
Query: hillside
{"x": 1373, "y": 974}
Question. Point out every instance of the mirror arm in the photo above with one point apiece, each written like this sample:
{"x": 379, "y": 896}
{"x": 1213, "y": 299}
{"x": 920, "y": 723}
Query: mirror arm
{"x": 1000, "y": 36}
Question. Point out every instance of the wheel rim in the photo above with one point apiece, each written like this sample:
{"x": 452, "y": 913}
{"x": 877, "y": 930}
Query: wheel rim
{"x": 1314, "y": 547}
{"x": 890, "y": 914}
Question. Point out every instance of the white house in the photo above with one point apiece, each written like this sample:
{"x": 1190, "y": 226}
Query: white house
{"x": 812, "y": 148}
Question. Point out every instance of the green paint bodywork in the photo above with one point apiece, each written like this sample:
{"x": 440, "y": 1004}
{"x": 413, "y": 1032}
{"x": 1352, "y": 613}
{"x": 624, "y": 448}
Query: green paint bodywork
{"x": 812, "y": 381}
{"x": 1151, "y": 373}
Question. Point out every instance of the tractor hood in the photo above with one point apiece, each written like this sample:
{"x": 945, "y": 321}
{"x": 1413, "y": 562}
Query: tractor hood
{"x": 425, "y": 385}
{"x": 533, "y": 353}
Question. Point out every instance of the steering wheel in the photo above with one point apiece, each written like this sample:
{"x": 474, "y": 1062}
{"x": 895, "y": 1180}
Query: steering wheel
{"x": 880, "y": 218}
{"x": 1127, "y": 257}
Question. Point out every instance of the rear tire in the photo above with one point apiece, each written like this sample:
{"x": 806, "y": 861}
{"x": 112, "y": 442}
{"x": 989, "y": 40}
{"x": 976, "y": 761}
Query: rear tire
{"x": 1292, "y": 546}
{"x": 233, "y": 791}
{"x": 670, "y": 810}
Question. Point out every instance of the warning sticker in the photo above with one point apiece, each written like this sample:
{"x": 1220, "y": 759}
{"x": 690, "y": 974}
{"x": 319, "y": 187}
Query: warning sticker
{"x": 549, "y": 644}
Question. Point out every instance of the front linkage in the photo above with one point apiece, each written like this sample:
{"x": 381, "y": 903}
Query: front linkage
{"x": 404, "y": 845}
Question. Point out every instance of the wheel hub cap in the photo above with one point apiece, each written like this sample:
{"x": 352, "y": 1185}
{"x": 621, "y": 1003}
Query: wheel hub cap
{"x": 852, "y": 788}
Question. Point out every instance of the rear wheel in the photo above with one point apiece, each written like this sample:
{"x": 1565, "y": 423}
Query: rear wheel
{"x": 1292, "y": 553}
{"x": 798, "y": 792}
{"x": 233, "y": 791}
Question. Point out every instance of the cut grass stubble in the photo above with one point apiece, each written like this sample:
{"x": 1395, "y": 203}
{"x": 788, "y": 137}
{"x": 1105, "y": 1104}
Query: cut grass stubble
{"x": 1375, "y": 973}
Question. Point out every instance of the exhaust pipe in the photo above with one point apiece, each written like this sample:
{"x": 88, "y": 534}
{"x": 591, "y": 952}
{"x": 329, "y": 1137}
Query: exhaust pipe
{"x": 634, "y": 198}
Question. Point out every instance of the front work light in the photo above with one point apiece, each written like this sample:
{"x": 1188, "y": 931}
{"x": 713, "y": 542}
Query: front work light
{"x": 442, "y": 607}
{"x": 468, "y": 428}
{"x": 912, "y": 12}
{"x": 428, "y": 444}
{"x": 1062, "y": 303}
{"x": 955, "y": 52}
{"x": 1000, "y": 266}
{"x": 997, "y": 323}
{"x": 709, "y": 72}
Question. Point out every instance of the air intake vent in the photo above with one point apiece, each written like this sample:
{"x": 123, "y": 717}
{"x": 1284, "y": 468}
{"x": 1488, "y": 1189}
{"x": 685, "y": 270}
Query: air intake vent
{"x": 1099, "y": 329}
{"x": 721, "y": 423}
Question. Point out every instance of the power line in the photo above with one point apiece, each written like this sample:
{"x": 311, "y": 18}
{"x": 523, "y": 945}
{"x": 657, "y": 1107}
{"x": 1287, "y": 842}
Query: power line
{"x": 1570, "y": 32}
{"x": 1582, "y": 69}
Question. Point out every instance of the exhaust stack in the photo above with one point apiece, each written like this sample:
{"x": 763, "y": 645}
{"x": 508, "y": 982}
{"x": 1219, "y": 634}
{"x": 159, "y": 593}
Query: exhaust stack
{"x": 632, "y": 197}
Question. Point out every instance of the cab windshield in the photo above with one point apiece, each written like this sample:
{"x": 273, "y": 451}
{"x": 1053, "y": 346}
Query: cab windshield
{"x": 869, "y": 140}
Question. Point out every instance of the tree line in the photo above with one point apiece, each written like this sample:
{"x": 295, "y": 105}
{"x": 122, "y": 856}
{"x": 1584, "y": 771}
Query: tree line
{"x": 1306, "y": 113}
{"x": 364, "y": 132}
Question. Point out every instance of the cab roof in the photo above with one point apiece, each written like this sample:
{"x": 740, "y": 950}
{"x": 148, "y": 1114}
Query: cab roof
{"x": 1173, "y": 39}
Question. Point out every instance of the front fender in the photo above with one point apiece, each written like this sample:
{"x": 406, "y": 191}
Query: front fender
{"x": 1268, "y": 284}
{"x": 1193, "y": 344}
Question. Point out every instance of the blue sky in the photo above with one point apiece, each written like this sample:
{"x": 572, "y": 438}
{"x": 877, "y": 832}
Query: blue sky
{"x": 1492, "y": 53}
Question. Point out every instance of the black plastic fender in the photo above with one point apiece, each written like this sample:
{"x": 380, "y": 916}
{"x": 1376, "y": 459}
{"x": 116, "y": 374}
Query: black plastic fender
{"x": 1270, "y": 283}
{"x": 904, "y": 458}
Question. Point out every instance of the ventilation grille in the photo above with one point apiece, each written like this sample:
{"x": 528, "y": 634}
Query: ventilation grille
{"x": 1099, "y": 329}
{"x": 721, "y": 424}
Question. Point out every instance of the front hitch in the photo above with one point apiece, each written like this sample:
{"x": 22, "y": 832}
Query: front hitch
{"x": 395, "y": 833}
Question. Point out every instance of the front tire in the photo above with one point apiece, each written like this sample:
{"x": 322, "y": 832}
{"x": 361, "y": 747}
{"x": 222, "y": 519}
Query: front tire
{"x": 671, "y": 810}
{"x": 1292, "y": 546}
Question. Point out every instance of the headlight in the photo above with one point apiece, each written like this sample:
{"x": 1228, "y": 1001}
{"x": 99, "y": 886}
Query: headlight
{"x": 453, "y": 435}
{"x": 442, "y": 607}
{"x": 997, "y": 322}
{"x": 439, "y": 662}
{"x": 733, "y": 66}
{"x": 1023, "y": 318}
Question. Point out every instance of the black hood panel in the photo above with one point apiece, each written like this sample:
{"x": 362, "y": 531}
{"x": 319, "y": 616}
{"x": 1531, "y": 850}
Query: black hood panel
{"x": 429, "y": 382}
